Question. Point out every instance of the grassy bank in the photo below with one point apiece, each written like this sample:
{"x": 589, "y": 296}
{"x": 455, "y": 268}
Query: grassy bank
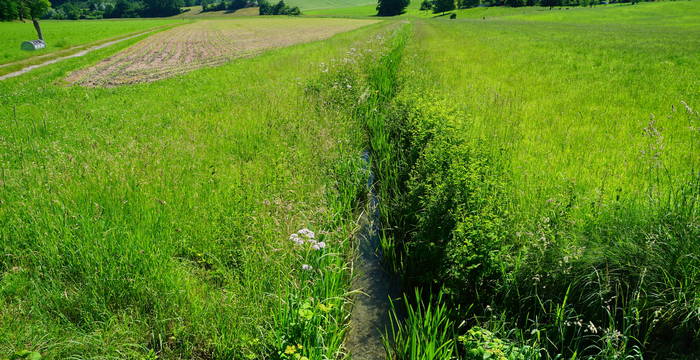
{"x": 555, "y": 208}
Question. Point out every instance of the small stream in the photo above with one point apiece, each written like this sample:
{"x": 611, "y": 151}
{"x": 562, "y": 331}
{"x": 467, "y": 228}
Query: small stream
{"x": 375, "y": 286}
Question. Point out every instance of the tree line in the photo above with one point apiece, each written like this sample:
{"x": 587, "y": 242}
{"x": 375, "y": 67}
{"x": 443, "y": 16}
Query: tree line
{"x": 442, "y": 6}
{"x": 266, "y": 8}
{"x": 94, "y": 9}
{"x": 99, "y": 9}
{"x": 396, "y": 7}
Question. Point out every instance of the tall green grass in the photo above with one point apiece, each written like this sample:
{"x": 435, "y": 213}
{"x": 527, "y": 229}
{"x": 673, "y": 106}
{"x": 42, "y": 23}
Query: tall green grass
{"x": 552, "y": 200}
{"x": 155, "y": 219}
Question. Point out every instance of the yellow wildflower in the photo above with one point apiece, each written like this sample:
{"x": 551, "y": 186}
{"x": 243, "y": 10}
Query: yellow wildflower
{"x": 290, "y": 350}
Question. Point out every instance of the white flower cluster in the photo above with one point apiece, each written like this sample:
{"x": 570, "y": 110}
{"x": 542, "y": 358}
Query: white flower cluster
{"x": 306, "y": 236}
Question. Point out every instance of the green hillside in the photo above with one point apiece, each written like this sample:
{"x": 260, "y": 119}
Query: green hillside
{"x": 328, "y": 4}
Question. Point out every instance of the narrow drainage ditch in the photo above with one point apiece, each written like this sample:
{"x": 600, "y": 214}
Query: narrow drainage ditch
{"x": 375, "y": 286}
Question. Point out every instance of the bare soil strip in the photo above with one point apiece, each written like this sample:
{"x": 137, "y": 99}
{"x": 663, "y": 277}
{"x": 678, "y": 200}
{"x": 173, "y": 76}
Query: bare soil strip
{"x": 71, "y": 56}
{"x": 205, "y": 43}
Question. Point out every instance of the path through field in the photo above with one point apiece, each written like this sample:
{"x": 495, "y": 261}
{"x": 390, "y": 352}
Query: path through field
{"x": 205, "y": 43}
{"x": 71, "y": 56}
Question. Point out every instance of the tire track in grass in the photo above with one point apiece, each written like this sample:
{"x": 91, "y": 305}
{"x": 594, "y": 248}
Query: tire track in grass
{"x": 71, "y": 56}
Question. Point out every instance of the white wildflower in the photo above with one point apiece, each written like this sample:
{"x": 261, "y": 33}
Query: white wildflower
{"x": 306, "y": 232}
{"x": 296, "y": 239}
{"x": 307, "y": 267}
{"x": 592, "y": 328}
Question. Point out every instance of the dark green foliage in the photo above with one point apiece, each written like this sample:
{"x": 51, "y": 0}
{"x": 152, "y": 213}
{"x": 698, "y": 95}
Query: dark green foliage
{"x": 391, "y": 7}
{"x": 218, "y": 6}
{"x": 515, "y": 3}
{"x": 9, "y": 10}
{"x": 550, "y": 3}
{"x": 25, "y": 9}
{"x": 426, "y": 5}
{"x": 443, "y": 6}
{"x": 279, "y": 8}
{"x": 155, "y": 8}
{"x": 238, "y": 4}
{"x": 466, "y": 4}
{"x": 71, "y": 11}
{"x": 75, "y": 9}
{"x": 123, "y": 9}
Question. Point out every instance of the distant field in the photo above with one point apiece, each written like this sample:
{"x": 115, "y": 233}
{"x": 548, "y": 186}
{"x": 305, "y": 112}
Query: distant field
{"x": 680, "y": 13}
{"x": 65, "y": 34}
{"x": 205, "y": 43}
{"x": 307, "y": 5}
{"x": 351, "y": 11}
{"x": 196, "y": 12}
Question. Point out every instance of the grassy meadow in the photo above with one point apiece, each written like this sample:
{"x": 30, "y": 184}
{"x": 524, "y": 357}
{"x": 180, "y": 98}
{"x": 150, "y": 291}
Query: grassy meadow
{"x": 154, "y": 219}
{"x": 537, "y": 177}
{"x": 196, "y": 12}
{"x": 543, "y": 174}
{"x": 305, "y": 5}
{"x": 664, "y": 13}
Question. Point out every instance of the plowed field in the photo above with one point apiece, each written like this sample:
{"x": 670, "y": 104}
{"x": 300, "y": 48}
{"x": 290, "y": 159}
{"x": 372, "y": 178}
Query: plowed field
{"x": 205, "y": 43}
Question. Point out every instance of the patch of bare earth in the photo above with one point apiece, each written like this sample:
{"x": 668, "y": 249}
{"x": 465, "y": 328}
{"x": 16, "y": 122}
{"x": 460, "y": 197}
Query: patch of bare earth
{"x": 204, "y": 43}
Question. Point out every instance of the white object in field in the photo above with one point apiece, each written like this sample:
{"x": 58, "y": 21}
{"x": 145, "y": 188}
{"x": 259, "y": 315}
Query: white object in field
{"x": 33, "y": 45}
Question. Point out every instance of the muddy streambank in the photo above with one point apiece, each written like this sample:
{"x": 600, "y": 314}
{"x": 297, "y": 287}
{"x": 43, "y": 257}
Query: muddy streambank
{"x": 374, "y": 285}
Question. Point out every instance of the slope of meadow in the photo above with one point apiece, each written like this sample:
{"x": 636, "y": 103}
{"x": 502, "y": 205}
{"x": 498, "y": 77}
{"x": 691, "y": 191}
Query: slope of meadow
{"x": 306, "y": 5}
{"x": 681, "y": 13}
{"x": 154, "y": 220}
{"x": 543, "y": 172}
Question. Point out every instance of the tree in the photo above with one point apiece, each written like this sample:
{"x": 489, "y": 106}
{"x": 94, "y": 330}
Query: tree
{"x": 443, "y": 6}
{"x": 466, "y": 4}
{"x": 550, "y": 3}
{"x": 23, "y": 9}
{"x": 279, "y": 8}
{"x": 71, "y": 10}
{"x": 264, "y": 7}
{"x": 238, "y": 4}
{"x": 391, "y": 7}
{"x": 162, "y": 7}
{"x": 37, "y": 9}
{"x": 426, "y": 5}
